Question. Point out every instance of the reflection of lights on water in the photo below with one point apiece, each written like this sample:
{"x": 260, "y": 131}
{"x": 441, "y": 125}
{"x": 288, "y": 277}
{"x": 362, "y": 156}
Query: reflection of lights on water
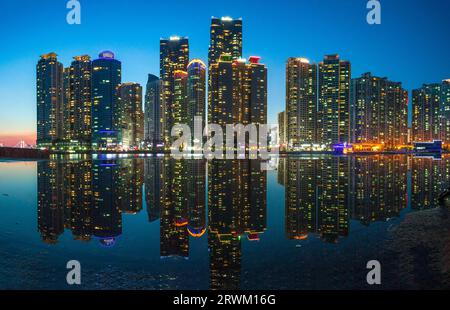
{"x": 107, "y": 242}
{"x": 196, "y": 232}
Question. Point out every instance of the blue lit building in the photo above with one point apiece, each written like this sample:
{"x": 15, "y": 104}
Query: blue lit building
{"x": 106, "y": 76}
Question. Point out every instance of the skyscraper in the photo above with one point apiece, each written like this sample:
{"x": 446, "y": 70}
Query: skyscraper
{"x": 426, "y": 123}
{"x": 238, "y": 92}
{"x": 129, "y": 118}
{"x": 226, "y": 38}
{"x": 106, "y": 76}
{"x": 49, "y": 85}
{"x": 78, "y": 101}
{"x": 379, "y": 111}
{"x": 301, "y": 102}
{"x": 174, "y": 56}
{"x": 445, "y": 112}
{"x": 334, "y": 101}
{"x": 153, "y": 111}
{"x": 196, "y": 93}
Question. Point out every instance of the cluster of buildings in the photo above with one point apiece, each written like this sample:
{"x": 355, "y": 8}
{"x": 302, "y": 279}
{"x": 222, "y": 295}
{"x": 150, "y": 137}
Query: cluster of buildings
{"x": 325, "y": 108}
{"x": 87, "y": 106}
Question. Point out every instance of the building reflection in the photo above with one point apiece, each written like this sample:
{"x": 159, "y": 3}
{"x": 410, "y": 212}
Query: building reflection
{"x": 237, "y": 208}
{"x": 429, "y": 179}
{"x": 225, "y": 201}
{"x": 317, "y": 197}
{"x": 323, "y": 194}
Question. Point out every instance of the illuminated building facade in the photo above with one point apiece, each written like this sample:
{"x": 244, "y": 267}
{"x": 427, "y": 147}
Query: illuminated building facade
{"x": 238, "y": 92}
{"x": 78, "y": 102}
{"x": 445, "y": 112}
{"x": 106, "y": 76}
{"x": 50, "y": 110}
{"x": 153, "y": 112}
{"x": 196, "y": 93}
{"x": 426, "y": 123}
{"x": 334, "y": 101}
{"x": 226, "y": 38}
{"x": 379, "y": 111}
{"x": 174, "y": 56}
{"x": 301, "y": 102}
{"x": 129, "y": 117}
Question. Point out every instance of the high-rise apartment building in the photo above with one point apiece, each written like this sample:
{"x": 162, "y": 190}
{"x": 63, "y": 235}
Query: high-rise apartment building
{"x": 153, "y": 112}
{"x": 174, "y": 56}
{"x": 129, "y": 117}
{"x": 426, "y": 122}
{"x": 106, "y": 76}
{"x": 226, "y": 38}
{"x": 379, "y": 111}
{"x": 196, "y": 93}
{"x": 78, "y": 102}
{"x": 334, "y": 101}
{"x": 238, "y": 92}
{"x": 301, "y": 103}
{"x": 50, "y": 113}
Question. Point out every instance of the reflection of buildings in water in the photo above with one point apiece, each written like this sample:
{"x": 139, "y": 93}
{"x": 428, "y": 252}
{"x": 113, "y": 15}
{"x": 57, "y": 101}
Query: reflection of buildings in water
{"x": 50, "y": 208}
{"x": 323, "y": 193}
{"x": 317, "y": 197}
{"x": 153, "y": 187}
{"x": 87, "y": 197}
{"x": 106, "y": 211}
{"x": 183, "y": 206}
{"x": 429, "y": 178}
{"x": 237, "y": 206}
{"x": 379, "y": 187}
{"x": 281, "y": 171}
{"x": 130, "y": 182}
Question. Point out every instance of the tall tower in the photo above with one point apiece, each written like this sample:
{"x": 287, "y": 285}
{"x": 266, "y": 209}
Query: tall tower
{"x": 79, "y": 101}
{"x": 106, "y": 76}
{"x": 129, "y": 117}
{"x": 238, "y": 92}
{"x": 49, "y": 87}
{"x": 196, "y": 92}
{"x": 426, "y": 113}
{"x": 379, "y": 111}
{"x": 334, "y": 101}
{"x": 226, "y": 38}
{"x": 153, "y": 111}
{"x": 445, "y": 112}
{"x": 174, "y": 56}
{"x": 301, "y": 102}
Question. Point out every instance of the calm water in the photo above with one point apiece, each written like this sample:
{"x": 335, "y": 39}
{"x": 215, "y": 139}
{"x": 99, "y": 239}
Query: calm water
{"x": 158, "y": 223}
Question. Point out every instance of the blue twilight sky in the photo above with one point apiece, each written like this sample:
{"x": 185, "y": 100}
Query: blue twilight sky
{"x": 411, "y": 45}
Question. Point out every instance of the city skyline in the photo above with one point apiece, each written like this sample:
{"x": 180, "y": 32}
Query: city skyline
{"x": 12, "y": 129}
